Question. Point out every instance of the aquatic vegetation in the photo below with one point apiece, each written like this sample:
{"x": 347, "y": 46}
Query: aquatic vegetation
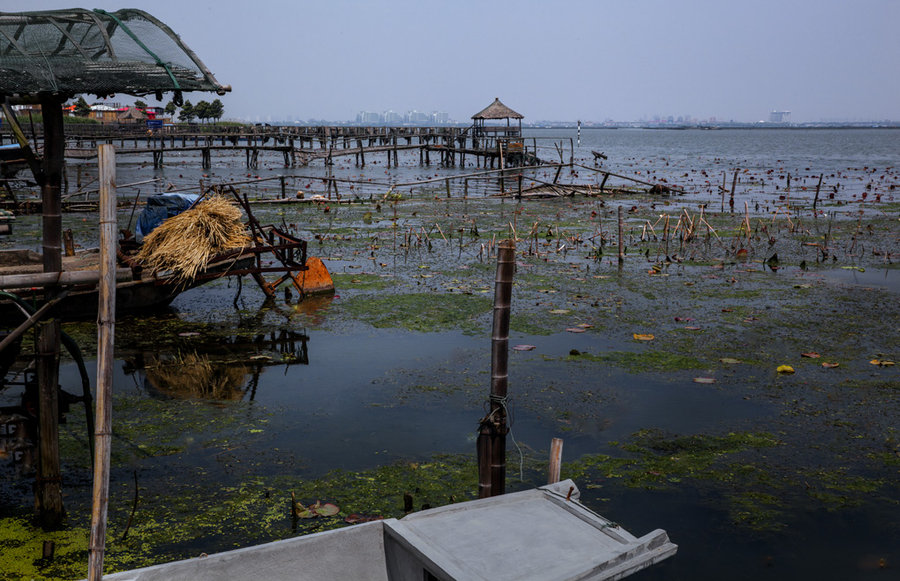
{"x": 184, "y": 519}
{"x": 641, "y": 362}
{"x": 421, "y": 312}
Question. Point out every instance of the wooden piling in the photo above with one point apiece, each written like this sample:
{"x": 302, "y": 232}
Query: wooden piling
{"x": 733, "y": 184}
{"x": 491, "y": 443}
{"x": 816, "y": 199}
{"x": 106, "y": 315}
{"x": 556, "y": 448}
{"x": 621, "y": 238}
{"x": 48, "y": 501}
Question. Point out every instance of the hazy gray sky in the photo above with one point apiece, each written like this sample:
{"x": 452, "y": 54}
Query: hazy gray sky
{"x": 549, "y": 60}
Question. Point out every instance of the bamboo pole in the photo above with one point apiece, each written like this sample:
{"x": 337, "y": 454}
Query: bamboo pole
{"x": 491, "y": 443}
{"x": 106, "y": 315}
{"x": 556, "y": 448}
{"x": 68, "y": 277}
{"x": 621, "y": 239}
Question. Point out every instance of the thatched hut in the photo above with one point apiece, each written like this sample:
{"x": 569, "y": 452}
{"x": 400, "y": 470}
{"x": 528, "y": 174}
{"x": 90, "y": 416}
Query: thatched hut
{"x": 497, "y": 112}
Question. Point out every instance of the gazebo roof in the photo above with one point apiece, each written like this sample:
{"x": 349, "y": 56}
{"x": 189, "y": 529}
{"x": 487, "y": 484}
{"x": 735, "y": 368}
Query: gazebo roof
{"x": 497, "y": 110}
{"x": 67, "y": 52}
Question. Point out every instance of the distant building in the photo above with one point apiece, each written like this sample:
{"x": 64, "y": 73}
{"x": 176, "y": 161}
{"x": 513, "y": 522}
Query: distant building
{"x": 392, "y": 117}
{"x": 780, "y": 117}
{"x": 105, "y": 113}
{"x": 369, "y": 118}
{"x": 418, "y": 118}
{"x": 131, "y": 115}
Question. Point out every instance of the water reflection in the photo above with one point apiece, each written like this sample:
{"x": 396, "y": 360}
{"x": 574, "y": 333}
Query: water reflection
{"x": 224, "y": 370}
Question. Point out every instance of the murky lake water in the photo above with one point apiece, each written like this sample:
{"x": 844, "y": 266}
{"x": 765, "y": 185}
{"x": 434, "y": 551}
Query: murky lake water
{"x": 361, "y": 396}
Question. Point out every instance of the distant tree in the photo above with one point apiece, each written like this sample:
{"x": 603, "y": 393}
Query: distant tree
{"x": 140, "y": 104}
{"x": 201, "y": 110}
{"x": 170, "y": 108}
{"x": 216, "y": 109}
{"x": 187, "y": 113}
{"x": 82, "y": 109}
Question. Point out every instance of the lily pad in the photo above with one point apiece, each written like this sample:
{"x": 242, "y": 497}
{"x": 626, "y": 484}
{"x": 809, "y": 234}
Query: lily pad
{"x": 326, "y": 509}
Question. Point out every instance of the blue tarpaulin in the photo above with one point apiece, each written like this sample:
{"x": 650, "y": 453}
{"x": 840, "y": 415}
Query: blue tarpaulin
{"x": 159, "y": 208}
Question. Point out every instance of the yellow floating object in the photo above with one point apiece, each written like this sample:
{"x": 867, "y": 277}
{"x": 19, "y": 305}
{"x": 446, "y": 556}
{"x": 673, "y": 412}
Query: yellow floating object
{"x": 785, "y": 369}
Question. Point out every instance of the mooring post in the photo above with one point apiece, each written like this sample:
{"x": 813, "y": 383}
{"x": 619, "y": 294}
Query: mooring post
{"x": 816, "y": 199}
{"x": 48, "y": 499}
{"x": 106, "y": 317}
{"x": 553, "y": 473}
{"x": 621, "y": 238}
{"x": 491, "y": 443}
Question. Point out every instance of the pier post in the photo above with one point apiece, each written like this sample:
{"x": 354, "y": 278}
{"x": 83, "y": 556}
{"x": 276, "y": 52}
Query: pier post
{"x": 48, "y": 489}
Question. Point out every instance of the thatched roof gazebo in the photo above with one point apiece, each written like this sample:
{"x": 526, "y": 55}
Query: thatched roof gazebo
{"x": 497, "y": 111}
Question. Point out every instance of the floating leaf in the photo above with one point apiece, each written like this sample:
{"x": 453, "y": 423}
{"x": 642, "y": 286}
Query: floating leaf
{"x": 730, "y": 360}
{"x": 704, "y": 380}
{"x": 683, "y": 319}
{"x": 828, "y": 365}
{"x": 811, "y": 355}
{"x": 785, "y": 369}
{"x": 575, "y": 330}
{"x": 304, "y": 512}
{"x": 560, "y": 312}
{"x": 881, "y": 362}
{"x": 523, "y": 347}
{"x": 693, "y": 328}
{"x": 643, "y": 337}
{"x": 326, "y": 509}
{"x": 585, "y": 325}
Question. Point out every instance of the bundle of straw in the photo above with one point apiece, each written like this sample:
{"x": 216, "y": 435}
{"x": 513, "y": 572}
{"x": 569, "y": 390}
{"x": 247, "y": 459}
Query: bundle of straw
{"x": 184, "y": 244}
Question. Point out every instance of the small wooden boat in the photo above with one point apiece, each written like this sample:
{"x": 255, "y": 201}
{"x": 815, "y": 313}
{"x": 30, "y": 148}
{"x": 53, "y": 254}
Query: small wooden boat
{"x": 541, "y": 534}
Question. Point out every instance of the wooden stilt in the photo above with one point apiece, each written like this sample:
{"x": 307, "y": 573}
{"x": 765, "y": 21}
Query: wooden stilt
{"x": 106, "y": 316}
{"x": 49, "y": 502}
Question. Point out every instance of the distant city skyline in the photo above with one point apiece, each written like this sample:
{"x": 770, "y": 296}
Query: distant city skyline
{"x": 823, "y": 60}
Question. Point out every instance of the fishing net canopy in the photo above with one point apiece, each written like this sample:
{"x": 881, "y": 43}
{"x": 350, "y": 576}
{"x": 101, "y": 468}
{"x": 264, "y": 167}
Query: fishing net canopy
{"x": 67, "y": 52}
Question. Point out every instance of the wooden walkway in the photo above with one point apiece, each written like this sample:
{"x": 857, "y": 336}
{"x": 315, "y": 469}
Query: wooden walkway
{"x": 303, "y": 145}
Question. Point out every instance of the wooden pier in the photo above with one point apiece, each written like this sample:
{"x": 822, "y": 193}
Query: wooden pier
{"x": 299, "y": 146}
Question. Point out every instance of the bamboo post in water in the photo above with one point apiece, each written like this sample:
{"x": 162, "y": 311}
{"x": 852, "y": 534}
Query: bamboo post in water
{"x": 491, "y": 444}
{"x": 816, "y": 199}
{"x": 556, "y": 448}
{"x": 106, "y": 316}
{"x": 621, "y": 238}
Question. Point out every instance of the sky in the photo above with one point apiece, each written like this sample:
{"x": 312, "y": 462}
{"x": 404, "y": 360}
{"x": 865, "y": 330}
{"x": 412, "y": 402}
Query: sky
{"x": 593, "y": 60}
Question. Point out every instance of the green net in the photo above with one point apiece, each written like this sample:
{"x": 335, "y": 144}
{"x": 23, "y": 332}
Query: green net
{"x": 83, "y": 51}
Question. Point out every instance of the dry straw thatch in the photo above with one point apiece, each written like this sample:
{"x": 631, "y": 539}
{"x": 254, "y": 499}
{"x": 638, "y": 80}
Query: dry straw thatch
{"x": 184, "y": 244}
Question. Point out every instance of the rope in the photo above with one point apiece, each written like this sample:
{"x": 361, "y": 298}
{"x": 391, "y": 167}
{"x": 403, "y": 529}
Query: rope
{"x": 502, "y": 402}
{"x": 127, "y": 31}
